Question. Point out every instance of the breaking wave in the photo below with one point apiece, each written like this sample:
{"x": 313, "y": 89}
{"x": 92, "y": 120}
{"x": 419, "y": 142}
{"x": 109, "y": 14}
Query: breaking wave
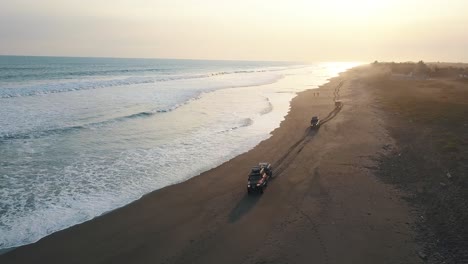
{"x": 60, "y": 87}
{"x": 70, "y": 129}
{"x": 243, "y": 123}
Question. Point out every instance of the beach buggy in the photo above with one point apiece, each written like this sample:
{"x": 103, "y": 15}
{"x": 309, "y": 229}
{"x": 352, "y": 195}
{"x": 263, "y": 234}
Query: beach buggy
{"x": 258, "y": 177}
{"x": 315, "y": 121}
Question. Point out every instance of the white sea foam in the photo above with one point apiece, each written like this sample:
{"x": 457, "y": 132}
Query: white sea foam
{"x": 60, "y": 86}
{"x": 112, "y": 104}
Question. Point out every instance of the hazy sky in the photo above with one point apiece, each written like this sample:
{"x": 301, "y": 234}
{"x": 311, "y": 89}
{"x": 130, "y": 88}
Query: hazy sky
{"x": 330, "y": 30}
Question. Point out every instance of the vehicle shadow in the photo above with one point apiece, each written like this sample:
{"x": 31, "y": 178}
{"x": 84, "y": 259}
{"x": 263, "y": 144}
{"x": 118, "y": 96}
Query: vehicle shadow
{"x": 243, "y": 206}
{"x": 311, "y": 131}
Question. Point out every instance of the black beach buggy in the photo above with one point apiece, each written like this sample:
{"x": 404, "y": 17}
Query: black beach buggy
{"x": 315, "y": 121}
{"x": 258, "y": 177}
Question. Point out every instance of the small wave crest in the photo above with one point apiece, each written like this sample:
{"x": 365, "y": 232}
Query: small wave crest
{"x": 267, "y": 109}
{"x": 39, "y": 73}
{"x": 60, "y": 87}
{"x": 243, "y": 123}
{"x": 69, "y": 129}
{"x": 34, "y": 90}
{"x": 37, "y": 134}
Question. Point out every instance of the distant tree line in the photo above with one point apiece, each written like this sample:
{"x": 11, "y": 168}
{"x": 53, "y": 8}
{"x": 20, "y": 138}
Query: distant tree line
{"x": 422, "y": 69}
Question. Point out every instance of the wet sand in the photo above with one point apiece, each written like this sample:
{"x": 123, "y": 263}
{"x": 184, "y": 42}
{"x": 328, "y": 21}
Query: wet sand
{"x": 324, "y": 204}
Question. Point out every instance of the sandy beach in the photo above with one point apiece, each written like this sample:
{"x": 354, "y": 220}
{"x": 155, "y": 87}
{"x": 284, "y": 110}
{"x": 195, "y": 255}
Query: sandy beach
{"x": 325, "y": 204}
{"x": 237, "y": 132}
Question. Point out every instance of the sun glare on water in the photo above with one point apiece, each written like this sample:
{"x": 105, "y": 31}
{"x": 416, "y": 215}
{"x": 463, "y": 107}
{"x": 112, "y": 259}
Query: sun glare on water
{"x": 334, "y": 68}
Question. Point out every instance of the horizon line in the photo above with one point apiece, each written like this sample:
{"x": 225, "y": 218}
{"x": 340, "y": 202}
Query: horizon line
{"x": 146, "y": 58}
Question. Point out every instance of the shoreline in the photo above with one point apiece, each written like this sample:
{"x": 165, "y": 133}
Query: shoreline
{"x": 181, "y": 223}
{"x": 13, "y": 235}
{"x": 6, "y": 250}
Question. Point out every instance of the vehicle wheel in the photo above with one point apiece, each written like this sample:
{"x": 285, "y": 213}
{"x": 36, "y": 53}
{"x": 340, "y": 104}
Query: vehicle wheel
{"x": 248, "y": 191}
{"x": 261, "y": 190}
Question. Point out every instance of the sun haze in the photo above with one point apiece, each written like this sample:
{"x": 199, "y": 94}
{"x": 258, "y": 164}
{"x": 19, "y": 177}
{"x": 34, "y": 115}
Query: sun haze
{"x": 332, "y": 30}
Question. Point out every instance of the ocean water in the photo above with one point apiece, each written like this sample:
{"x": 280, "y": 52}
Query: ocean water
{"x": 82, "y": 136}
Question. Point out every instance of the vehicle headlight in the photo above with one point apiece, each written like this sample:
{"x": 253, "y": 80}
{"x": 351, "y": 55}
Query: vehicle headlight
{"x": 248, "y": 185}
{"x": 258, "y": 184}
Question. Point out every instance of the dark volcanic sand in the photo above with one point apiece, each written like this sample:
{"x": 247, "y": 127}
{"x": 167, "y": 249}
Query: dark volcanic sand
{"x": 428, "y": 118}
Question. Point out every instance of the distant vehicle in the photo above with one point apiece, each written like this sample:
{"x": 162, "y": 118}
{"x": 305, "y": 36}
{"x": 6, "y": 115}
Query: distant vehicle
{"x": 338, "y": 104}
{"x": 315, "y": 121}
{"x": 259, "y": 177}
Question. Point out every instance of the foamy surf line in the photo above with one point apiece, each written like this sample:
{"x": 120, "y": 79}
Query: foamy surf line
{"x": 144, "y": 114}
{"x": 63, "y": 86}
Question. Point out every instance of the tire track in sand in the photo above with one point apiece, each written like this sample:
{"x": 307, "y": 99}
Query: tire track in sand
{"x": 283, "y": 162}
